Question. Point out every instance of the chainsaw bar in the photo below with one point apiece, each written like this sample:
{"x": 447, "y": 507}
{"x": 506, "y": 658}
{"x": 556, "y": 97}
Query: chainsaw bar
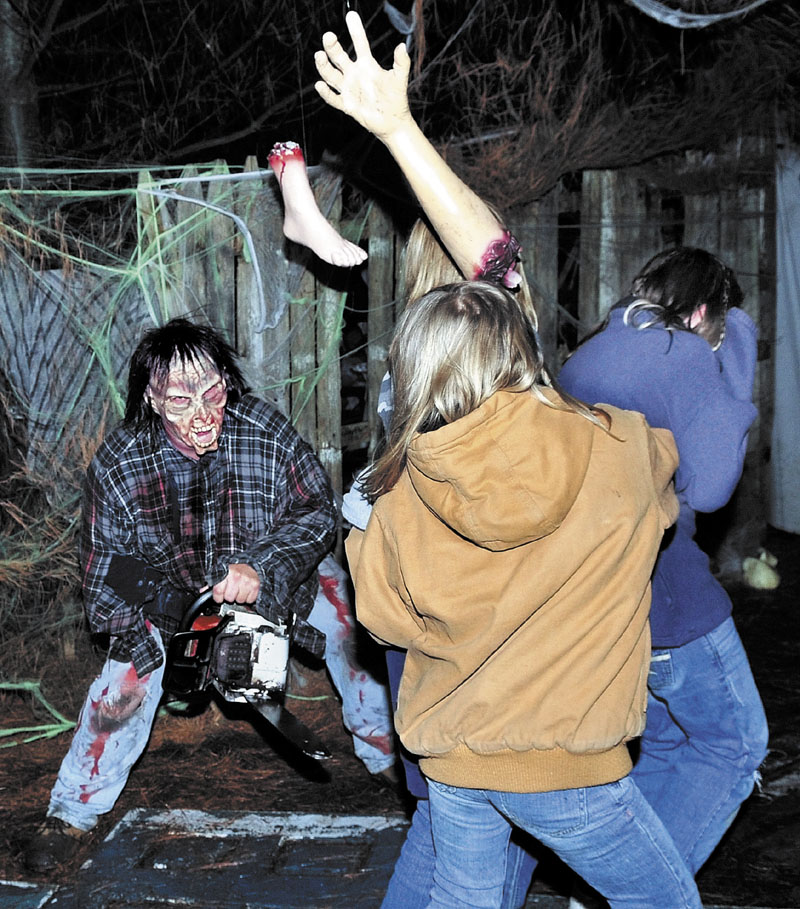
{"x": 297, "y": 733}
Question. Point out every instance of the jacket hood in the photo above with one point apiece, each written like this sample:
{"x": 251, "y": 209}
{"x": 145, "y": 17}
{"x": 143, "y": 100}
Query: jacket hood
{"x": 505, "y": 474}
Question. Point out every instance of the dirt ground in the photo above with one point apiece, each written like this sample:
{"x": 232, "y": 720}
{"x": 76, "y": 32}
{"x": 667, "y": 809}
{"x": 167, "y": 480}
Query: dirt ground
{"x": 221, "y": 760}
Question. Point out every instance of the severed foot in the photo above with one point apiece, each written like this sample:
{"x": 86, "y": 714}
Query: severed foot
{"x": 303, "y": 222}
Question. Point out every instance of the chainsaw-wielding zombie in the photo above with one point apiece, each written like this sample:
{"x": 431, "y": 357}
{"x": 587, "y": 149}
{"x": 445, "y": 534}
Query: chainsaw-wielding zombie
{"x": 201, "y": 486}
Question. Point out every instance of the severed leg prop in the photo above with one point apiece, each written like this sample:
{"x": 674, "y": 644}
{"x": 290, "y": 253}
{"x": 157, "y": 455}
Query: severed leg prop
{"x": 303, "y": 222}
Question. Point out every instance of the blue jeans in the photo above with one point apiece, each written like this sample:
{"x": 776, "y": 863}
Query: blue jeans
{"x": 705, "y": 738}
{"x": 608, "y": 834}
{"x": 412, "y": 878}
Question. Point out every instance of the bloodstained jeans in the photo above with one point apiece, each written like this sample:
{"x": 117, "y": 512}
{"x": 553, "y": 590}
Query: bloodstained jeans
{"x": 366, "y": 708}
{"x": 108, "y": 741}
{"x": 110, "y": 738}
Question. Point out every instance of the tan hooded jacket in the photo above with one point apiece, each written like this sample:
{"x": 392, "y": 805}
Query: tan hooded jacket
{"x": 512, "y": 560}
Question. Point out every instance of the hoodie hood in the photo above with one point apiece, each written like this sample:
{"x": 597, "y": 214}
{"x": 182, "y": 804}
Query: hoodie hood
{"x": 505, "y": 474}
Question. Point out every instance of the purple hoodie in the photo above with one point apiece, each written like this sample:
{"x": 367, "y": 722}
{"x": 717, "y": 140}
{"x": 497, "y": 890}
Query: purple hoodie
{"x": 704, "y": 397}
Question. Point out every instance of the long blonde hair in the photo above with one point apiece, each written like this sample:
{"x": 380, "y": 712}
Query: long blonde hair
{"x": 426, "y": 264}
{"x": 452, "y": 350}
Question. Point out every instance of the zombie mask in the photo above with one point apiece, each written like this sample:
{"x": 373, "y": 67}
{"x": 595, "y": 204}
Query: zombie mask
{"x": 190, "y": 400}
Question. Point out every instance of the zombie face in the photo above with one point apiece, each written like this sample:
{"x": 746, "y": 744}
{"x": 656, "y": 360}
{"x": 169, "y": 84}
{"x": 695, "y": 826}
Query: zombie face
{"x": 191, "y": 404}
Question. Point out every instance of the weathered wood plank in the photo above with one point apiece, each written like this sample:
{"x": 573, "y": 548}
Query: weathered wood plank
{"x": 303, "y": 337}
{"x": 591, "y": 247}
{"x": 384, "y": 279}
{"x": 536, "y": 228}
{"x": 620, "y": 231}
{"x": 329, "y": 387}
{"x": 191, "y": 229}
{"x": 154, "y": 278}
{"x": 222, "y": 236}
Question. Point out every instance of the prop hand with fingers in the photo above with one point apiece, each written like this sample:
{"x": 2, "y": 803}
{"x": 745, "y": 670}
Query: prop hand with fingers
{"x": 376, "y": 98}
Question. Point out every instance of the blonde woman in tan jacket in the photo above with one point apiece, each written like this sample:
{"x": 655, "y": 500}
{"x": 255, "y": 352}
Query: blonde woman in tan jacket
{"x": 509, "y": 552}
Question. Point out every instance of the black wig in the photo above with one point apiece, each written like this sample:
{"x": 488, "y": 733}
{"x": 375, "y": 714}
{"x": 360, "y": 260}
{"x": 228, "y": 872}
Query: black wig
{"x": 179, "y": 340}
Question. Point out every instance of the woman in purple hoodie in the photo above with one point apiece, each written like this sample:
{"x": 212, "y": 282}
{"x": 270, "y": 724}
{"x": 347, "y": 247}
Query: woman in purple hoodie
{"x": 680, "y": 351}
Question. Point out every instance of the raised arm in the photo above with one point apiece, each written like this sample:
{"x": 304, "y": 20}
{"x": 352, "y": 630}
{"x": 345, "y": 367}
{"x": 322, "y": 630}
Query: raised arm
{"x": 378, "y": 99}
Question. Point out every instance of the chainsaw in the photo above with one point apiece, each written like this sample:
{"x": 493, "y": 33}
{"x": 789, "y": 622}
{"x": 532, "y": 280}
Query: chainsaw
{"x": 244, "y": 657}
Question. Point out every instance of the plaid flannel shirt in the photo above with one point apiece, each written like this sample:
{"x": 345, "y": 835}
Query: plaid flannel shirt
{"x": 261, "y": 499}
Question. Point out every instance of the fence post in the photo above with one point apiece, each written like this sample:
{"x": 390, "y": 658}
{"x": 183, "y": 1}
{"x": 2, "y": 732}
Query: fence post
{"x": 303, "y": 347}
{"x": 265, "y": 354}
{"x": 380, "y": 312}
{"x": 591, "y": 243}
{"x": 154, "y": 280}
{"x": 191, "y": 226}
{"x": 219, "y": 256}
{"x": 537, "y": 231}
{"x": 743, "y": 238}
{"x": 329, "y": 384}
{"x": 620, "y": 231}
{"x": 701, "y": 220}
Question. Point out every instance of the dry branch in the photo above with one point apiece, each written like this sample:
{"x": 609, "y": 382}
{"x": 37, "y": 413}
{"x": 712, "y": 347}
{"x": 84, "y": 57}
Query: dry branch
{"x": 559, "y": 93}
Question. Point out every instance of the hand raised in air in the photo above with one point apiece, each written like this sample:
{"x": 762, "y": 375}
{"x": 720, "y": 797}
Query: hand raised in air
{"x": 376, "y": 98}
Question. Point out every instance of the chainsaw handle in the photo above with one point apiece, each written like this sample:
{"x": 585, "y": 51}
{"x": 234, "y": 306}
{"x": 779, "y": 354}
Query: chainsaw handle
{"x": 203, "y": 604}
{"x": 190, "y": 650}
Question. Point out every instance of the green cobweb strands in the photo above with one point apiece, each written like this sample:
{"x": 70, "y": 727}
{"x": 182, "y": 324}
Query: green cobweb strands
{"x": 23, "y": 735}
{"x": 98, "y": 256}
{"x": 93, "y": 258}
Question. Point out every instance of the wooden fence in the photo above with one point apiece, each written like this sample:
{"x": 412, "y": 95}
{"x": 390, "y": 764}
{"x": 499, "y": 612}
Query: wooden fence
{"x": 582, "y": 244}
{"x": 211, "y": 247}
